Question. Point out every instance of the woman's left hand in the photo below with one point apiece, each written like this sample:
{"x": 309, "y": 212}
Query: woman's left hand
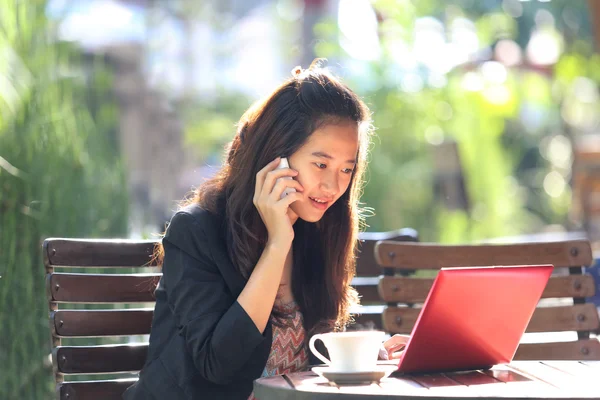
{"x": 392, "y": 347}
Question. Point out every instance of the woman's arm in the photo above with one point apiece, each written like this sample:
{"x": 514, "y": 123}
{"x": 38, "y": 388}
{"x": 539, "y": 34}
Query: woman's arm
{"x": 259, "y": 294}
{"x": 218, "y": 332}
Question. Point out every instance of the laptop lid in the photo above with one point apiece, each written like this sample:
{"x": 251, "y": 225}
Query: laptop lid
{"x": 474, "y": 317}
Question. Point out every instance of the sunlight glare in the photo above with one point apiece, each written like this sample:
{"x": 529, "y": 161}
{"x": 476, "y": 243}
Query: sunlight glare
{"x": 358, "y": 24}
{"x": 554, "y": 184}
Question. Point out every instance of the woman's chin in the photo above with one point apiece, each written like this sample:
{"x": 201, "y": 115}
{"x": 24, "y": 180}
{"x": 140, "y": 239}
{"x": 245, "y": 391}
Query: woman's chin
{"x": 306, "y": 215}
{"x": 313, "y": 219}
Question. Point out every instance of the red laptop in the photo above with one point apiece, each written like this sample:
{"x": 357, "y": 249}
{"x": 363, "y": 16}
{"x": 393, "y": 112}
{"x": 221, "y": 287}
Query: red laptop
{"x": 474, "y": 318}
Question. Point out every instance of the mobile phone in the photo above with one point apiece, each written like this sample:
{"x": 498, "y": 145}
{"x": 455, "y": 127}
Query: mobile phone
{"x": 284, "y": 164}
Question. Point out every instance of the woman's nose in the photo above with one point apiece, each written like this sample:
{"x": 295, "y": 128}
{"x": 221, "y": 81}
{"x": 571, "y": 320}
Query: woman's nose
{"x": 330, "y": 184}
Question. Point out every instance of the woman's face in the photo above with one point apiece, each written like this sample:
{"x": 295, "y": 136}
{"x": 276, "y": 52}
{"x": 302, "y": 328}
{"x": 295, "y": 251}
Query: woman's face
{"x": 324, "y": 164}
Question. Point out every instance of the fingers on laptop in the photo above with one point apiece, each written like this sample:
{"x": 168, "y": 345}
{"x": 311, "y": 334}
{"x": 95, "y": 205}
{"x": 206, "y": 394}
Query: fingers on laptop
{"x": 395, "y": 344}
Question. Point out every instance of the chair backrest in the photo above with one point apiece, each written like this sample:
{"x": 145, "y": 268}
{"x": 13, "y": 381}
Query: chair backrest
{"x": 366, "y": 281}
{"x": 117, "y": 279}
{"x": 562, "y": 309}
{"x": 113, "y": 275}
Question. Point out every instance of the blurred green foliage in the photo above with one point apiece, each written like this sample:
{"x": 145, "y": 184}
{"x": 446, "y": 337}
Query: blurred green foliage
{"x": 505, "y": 160}
{"x": 60, "y": 175}
{"x": 514, "y": 137}
{"x": 210, "y": 125}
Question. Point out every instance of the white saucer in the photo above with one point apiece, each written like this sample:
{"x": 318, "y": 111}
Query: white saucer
{"x": 353, "y": 378}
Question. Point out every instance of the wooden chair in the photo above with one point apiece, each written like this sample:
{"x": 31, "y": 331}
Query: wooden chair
{"x": 118, "y": 275}
{"x": 577, "y": 316}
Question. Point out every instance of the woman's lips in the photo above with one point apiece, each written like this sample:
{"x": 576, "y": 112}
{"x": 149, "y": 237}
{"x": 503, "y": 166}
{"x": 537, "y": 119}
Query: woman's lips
{"x": 319, "y": 205}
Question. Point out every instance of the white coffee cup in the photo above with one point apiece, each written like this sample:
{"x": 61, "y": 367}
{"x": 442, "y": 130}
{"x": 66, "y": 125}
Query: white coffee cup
{"x": 354, "y": 351}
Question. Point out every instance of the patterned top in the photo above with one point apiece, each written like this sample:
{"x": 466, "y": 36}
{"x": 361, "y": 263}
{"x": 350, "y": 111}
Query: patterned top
{"x": 289, "y": 352}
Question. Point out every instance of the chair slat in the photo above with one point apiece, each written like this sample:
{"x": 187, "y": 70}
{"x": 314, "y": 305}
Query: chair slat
{"x": 415, "y": 290}
{"x": 580, "y": 317}
{"x": 399, "y": 319}
{"x": 101, "y": 288}
{"x": 94, "y": 390}
{"x": 570, "y": 286}
{"x": 97, "y": 323}
{"x": 367, "y": 289}
{"x": 132, "y": 253}
{"x": 98, "y": 253}
{"x": 365, "y": 263}
{"x": 588, "y": 349}
{"x": 99, "y": 359}
{"x": 404, "y": 290}
{"x": 404, "y": 255}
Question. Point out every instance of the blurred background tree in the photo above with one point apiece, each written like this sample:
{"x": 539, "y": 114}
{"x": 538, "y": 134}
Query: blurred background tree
{"x": 506, "y": 81}
{"x": 487, "y": 76}
{"x": 60, "y": 175}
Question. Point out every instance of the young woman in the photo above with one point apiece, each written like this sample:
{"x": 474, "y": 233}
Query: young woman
{"x": 250, "y": 274}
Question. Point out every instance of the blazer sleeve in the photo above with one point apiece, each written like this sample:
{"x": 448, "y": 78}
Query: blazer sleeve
{"x": 218, "y": 332}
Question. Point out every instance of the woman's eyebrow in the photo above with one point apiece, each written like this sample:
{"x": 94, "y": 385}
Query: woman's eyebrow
{"x": 325, "y": 155}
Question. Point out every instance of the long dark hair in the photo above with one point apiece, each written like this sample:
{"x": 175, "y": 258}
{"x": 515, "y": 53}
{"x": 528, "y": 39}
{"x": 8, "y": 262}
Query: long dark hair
{"x": 324, "y": 252}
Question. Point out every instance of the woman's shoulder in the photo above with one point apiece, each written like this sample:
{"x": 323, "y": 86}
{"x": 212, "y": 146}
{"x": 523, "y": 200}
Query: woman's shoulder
{"x": 194, "y": 213}
{"x": 193, "y": 221}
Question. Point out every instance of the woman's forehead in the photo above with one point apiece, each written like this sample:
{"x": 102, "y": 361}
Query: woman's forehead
{"x": 340, "y": 141}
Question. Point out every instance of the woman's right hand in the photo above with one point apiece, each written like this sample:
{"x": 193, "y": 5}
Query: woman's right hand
{"x": 272, "y": 208}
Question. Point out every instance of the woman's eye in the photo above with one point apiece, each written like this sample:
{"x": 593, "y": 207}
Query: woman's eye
{"x": 348, "y": 170}
{"x": 320, "y": 165}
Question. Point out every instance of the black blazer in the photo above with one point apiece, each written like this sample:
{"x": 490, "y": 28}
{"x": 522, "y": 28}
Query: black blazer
{"x": 203, "y": 345}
